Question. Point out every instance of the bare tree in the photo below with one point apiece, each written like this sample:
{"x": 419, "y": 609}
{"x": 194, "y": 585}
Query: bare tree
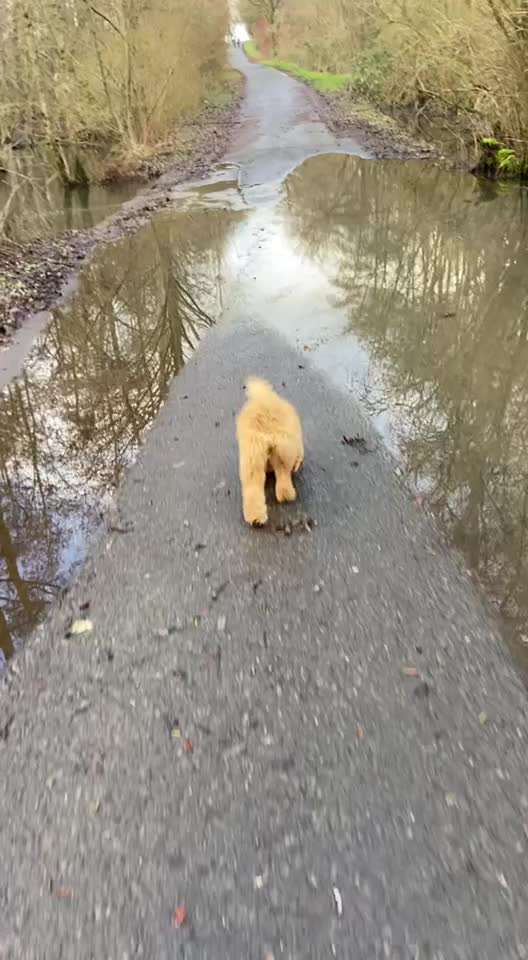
{"x": 270, "y": 11}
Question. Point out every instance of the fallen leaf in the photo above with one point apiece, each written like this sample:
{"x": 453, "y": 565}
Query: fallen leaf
{"x": 483, "y": 717}
{"x": 360, "y": 733}
{"x": 81, "y": 626}
{"x": 188, "y": 746}
{"x": 419, "y": 501}
{"x": 410, "y": 672}
{"x": 179, "y": 917}
{"x": 64, "y": 893}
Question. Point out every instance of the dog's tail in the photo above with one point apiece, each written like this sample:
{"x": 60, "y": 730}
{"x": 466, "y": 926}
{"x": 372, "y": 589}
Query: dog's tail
{"x": 258, "y": 389}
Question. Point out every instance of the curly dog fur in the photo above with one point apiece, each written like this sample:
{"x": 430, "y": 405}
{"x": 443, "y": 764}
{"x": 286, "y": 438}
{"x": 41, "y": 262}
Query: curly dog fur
{"x": 270, "y": 439}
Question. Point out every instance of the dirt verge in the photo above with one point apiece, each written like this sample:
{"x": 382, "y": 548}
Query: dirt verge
{"x": 386, "y": 137}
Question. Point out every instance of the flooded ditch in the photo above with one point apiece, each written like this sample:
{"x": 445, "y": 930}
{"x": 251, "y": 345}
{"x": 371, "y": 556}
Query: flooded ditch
{"x": 34, "y": 202}
{"x": 406, "y": 285}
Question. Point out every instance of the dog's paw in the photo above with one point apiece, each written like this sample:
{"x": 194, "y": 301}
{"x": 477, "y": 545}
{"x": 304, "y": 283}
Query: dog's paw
{"x": 256, "y": 518}
{"x": 285, "y": 494}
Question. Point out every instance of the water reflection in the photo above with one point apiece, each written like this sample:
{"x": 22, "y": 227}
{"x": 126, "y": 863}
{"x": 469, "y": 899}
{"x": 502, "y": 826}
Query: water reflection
{"x": 432, "y": 270}
{"x": 94, "y": 382}
{"x": 35, "y": 203}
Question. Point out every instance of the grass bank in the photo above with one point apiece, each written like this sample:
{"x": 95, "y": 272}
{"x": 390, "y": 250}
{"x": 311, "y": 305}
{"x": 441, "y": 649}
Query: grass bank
{"x": 322, "y": 81}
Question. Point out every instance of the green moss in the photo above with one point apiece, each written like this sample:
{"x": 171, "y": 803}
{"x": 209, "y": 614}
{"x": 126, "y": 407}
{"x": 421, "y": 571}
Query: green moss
{"x": 497, "y": 160}
{"x": 508, "y": 161}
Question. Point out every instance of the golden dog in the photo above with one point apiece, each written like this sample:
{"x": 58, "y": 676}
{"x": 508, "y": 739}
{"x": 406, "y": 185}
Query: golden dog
{"x": 269, "y": 439}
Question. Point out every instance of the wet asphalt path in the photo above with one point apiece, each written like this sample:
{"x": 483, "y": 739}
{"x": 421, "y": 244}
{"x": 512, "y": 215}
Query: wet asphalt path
{"x": 279, "y": 127}
{"x": 314, "y": 742}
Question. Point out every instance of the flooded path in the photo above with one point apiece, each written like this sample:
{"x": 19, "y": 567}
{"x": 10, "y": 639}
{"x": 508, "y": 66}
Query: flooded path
{"x": 406, "y": 285}
{"x": 312, "y": 737}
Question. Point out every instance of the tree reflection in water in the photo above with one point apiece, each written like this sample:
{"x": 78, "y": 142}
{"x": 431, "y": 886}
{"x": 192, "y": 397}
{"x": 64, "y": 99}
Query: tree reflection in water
{"x": 433, "y": 271}
{"x": 94, "y": 382}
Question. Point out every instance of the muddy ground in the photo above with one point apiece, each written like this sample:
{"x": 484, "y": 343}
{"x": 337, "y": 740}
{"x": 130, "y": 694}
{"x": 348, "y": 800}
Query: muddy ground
{"x": 386, "y": 137}
{"x": 34, "y": 275}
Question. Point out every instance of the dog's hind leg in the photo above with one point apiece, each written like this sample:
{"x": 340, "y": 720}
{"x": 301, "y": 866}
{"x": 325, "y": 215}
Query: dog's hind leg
{"x": 283, "y": 461}
{"x": 253, "y": 460}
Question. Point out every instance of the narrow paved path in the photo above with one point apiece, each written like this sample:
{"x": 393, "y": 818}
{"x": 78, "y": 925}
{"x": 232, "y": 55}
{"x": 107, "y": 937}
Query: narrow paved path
{"x": 279, "y": 126}
{"x": 315, "y": 742}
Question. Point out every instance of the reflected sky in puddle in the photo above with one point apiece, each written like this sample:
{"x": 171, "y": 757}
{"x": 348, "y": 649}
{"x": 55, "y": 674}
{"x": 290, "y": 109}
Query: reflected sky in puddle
{"x": 406, "y": 285}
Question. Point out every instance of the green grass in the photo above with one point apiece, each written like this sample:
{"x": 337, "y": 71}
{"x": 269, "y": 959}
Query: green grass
{"x": 251, "y": 50}
{"x": 321, "y": 81}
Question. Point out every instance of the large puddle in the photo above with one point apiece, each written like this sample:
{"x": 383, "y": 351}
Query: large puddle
{"x": 92, "y": 385}
{"x": 407, "y": 285}
{"x": 34, "y": 202}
